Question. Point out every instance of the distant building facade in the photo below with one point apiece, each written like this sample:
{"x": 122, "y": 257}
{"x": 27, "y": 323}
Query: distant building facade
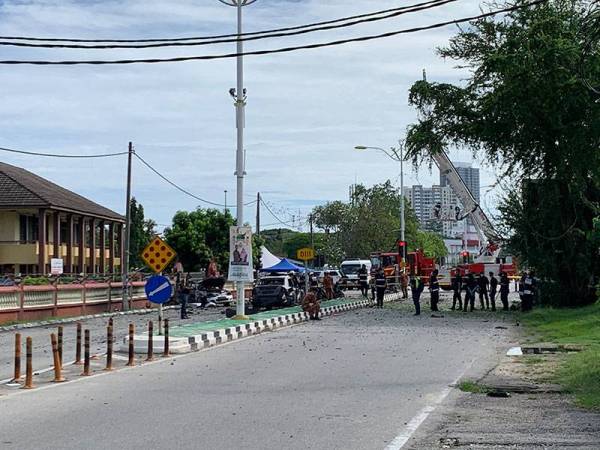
{"x": 40, "y": 220}
{"x": 427, "y": 202}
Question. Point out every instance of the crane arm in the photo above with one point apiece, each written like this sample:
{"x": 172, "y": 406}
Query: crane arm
{"x": 474, "y": 211}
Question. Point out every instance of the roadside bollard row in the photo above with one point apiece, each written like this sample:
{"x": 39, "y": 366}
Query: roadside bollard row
{"x": 57, "y": 341}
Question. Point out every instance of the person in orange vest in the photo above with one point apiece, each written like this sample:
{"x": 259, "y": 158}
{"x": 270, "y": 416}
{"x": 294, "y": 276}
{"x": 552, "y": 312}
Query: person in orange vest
{"x": 328, "y": 285}
{"x": 404, "y": 284}
{"x": 311, "y": 304}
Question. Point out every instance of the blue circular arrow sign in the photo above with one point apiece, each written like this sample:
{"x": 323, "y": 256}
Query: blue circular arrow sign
{"x": 158, "y": 289}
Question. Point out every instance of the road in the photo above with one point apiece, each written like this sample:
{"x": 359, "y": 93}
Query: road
{"x": 42, "y": 350}
{"x": 352, "y": 381}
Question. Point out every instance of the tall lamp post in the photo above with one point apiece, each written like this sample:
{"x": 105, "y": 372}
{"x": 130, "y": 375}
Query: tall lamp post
{"x": 396, "y": 155}
{"x": 239, "y": 95}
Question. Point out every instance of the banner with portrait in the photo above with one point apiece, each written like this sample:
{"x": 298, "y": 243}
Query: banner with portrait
{"x": 240, "y": 254}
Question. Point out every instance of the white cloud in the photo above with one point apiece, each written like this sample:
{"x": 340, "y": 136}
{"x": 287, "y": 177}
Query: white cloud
{"x": 306, "y": 110}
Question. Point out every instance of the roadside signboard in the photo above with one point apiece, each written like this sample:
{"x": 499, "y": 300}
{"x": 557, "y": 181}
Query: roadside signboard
{"x": 240, "y": 254}
{"x": 306, "y": 254}
{"x": 158, "y": 254}
{"x": 56, "y": 266}
{"x": 158, "y": 289}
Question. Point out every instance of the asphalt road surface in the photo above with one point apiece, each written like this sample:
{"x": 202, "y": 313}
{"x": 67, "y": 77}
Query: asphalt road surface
{"x": 42, "y": 349}
{"x": 357, "y": 380}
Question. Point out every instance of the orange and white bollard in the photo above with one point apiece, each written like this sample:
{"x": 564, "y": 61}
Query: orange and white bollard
{"x": 78, "y": 345}
{"x": 57, "y": 365}
{"x": 150, "y": 341}
{"x": 109, "y": 347}
{"x": 166, "y": 336}
{"x": 29, "y": 364}
{"x": 86, "y": 354}
{"x": 17, "y": 372}
{"x": 131, "y": 361}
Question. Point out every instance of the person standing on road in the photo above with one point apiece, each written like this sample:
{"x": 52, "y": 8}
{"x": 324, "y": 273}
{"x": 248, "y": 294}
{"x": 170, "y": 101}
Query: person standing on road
{"x": 184, "y": 296}
{"x": 363, "y": 280}
{"x": 212, "y": 271}
{"x": 328, "y": 285}
{"x": 380, "y": 285}
{"x": 416, "y": 289}
{"x": 311, "y": 304}
{"x": 528, "y": 290}
{"x": 504, "y": 289}
{"x": 483, "y": 284}
{"x": 471, "y": 291}
{"x": 404, "y": 284}
{"x": 434, "y": 290}
{"x": 493, "y": 289}
{"x": 456, "y": 289}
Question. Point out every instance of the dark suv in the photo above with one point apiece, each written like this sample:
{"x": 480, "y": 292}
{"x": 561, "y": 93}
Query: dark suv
{"x": 276, "y": 290}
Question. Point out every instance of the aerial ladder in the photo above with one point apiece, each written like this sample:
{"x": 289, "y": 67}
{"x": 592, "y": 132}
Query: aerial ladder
{"x": 471, "y": 209}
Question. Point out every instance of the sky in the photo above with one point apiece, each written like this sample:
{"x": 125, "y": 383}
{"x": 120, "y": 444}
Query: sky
{"x": 306, "y": 110}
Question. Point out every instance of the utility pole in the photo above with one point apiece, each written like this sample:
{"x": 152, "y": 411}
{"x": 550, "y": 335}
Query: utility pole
{"x": 239, "y": 95}
{"x": 258, "y": 213}
{"x": 225, "y": 209}
{"x": 125, "y": 261}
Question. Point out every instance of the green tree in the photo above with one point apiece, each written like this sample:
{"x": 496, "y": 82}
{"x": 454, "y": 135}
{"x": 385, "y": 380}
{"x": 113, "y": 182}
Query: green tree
{"x": 527, "y": 107}
{"x": 142, "y": 231}
{"x": 200, "y": 235}
{"x": 369, "y": 222}
{"x": 431, "y": 244}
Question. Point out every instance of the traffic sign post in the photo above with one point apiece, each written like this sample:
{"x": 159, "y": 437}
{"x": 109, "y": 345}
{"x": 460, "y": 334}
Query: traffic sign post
{"x": 158, "y": 254}
{"x": 306, "y": 254}
{"x": 159, "y": 290}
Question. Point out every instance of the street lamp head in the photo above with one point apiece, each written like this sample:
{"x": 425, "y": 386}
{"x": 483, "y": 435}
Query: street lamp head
{"x": 237, "y": 2}
{"x": 360, "y": 147}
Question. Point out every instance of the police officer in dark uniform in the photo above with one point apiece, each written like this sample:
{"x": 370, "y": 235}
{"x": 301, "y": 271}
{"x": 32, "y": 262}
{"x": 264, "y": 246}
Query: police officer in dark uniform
{"x": 456, "y": 288}
{"x": 416, "y": 288}
{"x": 434, "y": 290}
{"x": 493, "y": 289}
{"x": 380, "y": 285}
{"x": 471, "y": 290}
{"x": 504, "y": 290}
{"x": 528, "y": 290}
{"x": 363, "y": 280}
{"x": 483, "y": 284}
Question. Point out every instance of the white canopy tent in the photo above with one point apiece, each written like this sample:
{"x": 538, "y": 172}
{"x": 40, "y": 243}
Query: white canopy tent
{"x": 268, "y": 259}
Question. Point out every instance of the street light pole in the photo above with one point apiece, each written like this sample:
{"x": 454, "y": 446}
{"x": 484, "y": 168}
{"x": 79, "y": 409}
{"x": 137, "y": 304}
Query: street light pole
{"x": 239, "y": 95}
{"x": 396, "y": 155}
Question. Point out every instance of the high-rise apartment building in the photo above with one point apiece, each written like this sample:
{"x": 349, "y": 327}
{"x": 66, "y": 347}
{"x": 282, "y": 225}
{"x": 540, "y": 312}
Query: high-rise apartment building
{"x": 469, "y": 174}
{"x": 424, "y": 200}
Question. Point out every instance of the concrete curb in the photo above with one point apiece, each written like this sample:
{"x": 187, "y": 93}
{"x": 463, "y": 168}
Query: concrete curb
{"x": 213, "y": 338}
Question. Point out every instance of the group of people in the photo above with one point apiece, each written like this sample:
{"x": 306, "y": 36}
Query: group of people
{"x": 482, "y": 286}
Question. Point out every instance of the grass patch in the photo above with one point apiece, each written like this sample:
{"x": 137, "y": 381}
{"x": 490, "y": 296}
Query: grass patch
{"x": 580, "y": 375}
{"x": 472, "y": 386}
{"x": 532, "y": 360}
{"x": 580, "y": 372}
{"x": 566, "y": 326}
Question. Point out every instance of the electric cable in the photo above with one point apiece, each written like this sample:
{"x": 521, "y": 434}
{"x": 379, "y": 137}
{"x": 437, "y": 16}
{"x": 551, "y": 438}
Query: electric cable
{"x": 275, "y": 215}
{"x": 185, "y": 191}
{"x": 404, "y": 10}
{"x": 221, "y": 36}
{"x": 277, "y": 50}
{"x": 59, "y": 155}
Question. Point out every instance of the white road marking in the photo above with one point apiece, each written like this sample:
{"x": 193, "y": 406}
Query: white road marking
{"x": 409, "y": 429}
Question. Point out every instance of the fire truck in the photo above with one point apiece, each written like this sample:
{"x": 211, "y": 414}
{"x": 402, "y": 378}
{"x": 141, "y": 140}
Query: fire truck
{"x": 490, "y": 258}
{"x": 393, "y": 262}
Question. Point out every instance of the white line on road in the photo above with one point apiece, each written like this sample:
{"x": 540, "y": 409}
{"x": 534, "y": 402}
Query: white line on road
{"x": 402, "y": 438}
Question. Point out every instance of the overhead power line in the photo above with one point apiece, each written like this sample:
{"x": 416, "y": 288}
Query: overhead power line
{"x": 185, "y": 191}
{"x": 398, "y": 12}
{"x": 61, "y": 155}
{"x": 278, "y": 50}
{"x": 221, "y": 36}
{"x": 287, "y": 224}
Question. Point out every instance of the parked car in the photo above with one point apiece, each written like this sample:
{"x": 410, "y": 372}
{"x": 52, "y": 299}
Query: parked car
{"x": 277, "y": 290}
{"x": 335, "y": 274}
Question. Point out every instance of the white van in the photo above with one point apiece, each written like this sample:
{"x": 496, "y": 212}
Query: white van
{"x": 350, "y": 270}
